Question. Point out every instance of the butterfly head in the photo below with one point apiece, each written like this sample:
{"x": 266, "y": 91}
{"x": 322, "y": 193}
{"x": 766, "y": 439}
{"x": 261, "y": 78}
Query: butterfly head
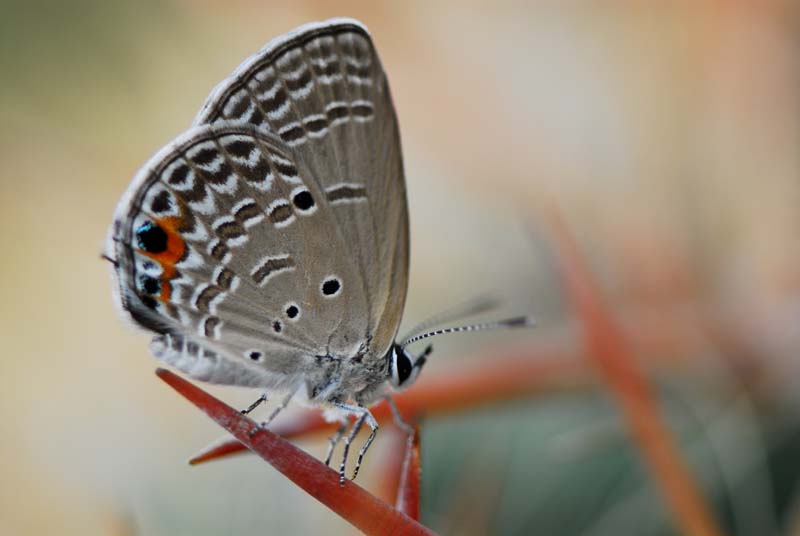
{"x": 403, "y": 367}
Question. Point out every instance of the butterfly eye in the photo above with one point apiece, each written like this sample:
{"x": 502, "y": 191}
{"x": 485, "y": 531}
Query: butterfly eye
{"x": 402, "y": 367}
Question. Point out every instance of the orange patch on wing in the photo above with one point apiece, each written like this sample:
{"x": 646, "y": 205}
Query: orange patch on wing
{"x": 176, "y": 249}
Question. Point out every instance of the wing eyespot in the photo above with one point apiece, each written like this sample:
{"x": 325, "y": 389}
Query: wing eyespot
{"x": 331, "y": 286}
{"x": 292, "y": 311}
{"x": 303, "y": 201}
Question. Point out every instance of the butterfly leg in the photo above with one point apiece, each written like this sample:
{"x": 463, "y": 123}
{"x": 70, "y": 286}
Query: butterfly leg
{"x": 398, "y": 417}
{"x": 334, "y": 440}
{"x": 363, "y": 415}
{"x": 349, "y": 439}
{"x": 254, "y": 405}
{"x": 373, "y": 424}
{"x": 279, "y": 408}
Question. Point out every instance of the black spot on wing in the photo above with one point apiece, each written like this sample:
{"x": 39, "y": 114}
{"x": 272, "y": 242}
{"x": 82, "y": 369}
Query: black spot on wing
{"x": 151, "y": 238}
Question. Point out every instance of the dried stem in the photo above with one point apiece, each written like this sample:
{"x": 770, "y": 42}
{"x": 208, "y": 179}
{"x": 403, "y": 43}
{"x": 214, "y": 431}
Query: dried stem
{"x": 610, "y": 351}
{"x": 351, "y": 502}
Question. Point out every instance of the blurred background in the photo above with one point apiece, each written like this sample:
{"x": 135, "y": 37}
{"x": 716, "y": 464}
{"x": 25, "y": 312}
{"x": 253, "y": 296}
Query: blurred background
{"x": 667, "y": 135}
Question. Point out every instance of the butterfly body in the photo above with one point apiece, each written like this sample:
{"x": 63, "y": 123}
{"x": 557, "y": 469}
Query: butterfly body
{"x": 267, "y": 246}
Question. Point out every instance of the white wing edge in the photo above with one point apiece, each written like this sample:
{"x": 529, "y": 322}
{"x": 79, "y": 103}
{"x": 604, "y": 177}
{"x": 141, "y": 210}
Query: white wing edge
{"x": 273, "y": 44}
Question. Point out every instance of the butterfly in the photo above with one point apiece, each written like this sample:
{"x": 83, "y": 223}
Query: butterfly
{"x": 268, "y": 245}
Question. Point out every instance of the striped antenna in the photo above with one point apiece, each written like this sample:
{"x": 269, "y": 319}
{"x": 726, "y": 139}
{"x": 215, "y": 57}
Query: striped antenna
{"x": 474, "y": 306}
{"x": 516, "y": 322}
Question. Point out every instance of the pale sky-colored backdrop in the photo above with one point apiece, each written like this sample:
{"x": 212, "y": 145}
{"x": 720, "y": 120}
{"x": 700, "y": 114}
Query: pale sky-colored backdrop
{"x": 664, "y": 132}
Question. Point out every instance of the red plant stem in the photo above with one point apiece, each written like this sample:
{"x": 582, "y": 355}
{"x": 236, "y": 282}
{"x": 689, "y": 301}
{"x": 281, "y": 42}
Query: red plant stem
{"x": 608, "y": 348}
{"x": 408, "y": 491}
{"x": 517, "y": 374}
{"x": 351, "y": 502}
{"x": 392, "y": 464}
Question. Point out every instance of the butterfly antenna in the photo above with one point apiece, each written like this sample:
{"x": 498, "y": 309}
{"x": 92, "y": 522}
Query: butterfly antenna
{"x": 474, "y": 306}
{"x": 516, "y": 322}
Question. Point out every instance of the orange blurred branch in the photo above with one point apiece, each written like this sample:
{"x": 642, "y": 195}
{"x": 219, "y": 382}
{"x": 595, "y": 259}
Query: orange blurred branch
{"x": 610, "y": 351}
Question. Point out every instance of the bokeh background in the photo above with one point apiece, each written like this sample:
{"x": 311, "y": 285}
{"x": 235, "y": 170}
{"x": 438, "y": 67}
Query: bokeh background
{"x": 667, "y": 135}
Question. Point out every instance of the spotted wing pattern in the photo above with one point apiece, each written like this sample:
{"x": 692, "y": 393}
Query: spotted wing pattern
{"x": 275, "y": 230}
{"x": 323, "y": 91}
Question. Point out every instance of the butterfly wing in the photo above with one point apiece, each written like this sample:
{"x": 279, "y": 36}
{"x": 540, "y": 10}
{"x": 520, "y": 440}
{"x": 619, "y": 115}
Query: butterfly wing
{"x": 253, "y": 250}
{"x": 323, "y": 91}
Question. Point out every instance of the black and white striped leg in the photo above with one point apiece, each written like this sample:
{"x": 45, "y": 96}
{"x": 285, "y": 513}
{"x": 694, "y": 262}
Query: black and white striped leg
{"x": 363, "y": 415}
{"x": 349, "y": 439}
{"x": 278, "y": 409}
{"x": 254, "y": 405}
{"x": 373, "y": 424}
{"x": 334, "y": 440}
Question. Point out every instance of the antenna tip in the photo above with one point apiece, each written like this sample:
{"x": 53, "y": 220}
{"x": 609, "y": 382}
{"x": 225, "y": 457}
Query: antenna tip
{"x": 521, "y": 322}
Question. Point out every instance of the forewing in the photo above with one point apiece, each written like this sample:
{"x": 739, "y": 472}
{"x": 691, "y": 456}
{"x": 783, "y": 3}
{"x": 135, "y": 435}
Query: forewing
{"x": 321, "y": 89}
